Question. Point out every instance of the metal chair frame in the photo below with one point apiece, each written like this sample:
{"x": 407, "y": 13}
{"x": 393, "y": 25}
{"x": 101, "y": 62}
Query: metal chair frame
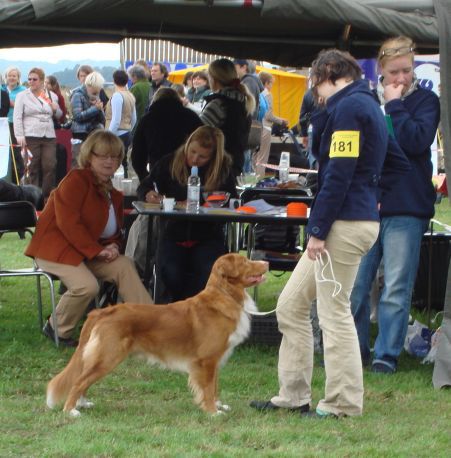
{"x": 20, "y": 217}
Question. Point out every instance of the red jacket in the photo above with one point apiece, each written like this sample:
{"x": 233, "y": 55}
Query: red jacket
{"x": 69, "y": 228}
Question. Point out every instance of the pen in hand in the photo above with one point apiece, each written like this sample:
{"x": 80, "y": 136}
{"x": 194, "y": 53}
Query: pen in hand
{"x": 155, "y": 187}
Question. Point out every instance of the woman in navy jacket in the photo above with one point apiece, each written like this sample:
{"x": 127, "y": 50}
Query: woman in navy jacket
{"x": 349, "y": 142}
{"x": 405, "y": 210}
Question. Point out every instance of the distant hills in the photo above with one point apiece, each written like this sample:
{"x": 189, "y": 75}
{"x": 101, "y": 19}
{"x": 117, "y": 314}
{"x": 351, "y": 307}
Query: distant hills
{"x": 63, "y": 70}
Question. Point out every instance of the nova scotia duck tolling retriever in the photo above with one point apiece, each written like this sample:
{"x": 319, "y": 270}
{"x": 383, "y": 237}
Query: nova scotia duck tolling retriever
{"x": 196, "y": 335}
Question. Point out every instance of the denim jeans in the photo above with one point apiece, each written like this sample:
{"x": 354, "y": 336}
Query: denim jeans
{"x": 247, "y": 166}
{"x": 399, "y": 245}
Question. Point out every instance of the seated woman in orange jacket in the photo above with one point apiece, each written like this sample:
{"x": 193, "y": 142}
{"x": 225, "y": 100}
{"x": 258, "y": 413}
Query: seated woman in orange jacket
{"x": 78, "y": 236}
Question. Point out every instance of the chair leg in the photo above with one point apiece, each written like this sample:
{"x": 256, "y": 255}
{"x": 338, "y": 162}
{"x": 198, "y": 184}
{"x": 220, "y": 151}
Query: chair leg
{"x": 155, "y": 280}
{"x": 38, "y": 287}
{"x": 52, "y": 298}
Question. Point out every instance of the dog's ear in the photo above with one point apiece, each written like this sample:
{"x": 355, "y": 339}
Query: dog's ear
{"x": 229, "y": 265}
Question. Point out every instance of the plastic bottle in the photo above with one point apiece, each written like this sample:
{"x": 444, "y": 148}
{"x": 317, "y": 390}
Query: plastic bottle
{"x": 193, "y": 194}
{"x": 284, "y": 165}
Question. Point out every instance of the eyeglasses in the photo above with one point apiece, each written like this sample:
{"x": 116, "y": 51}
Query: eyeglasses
{"x": 104, "y": 157}
{"x": 394, "y": 51}
{"x": 33, "y": 79}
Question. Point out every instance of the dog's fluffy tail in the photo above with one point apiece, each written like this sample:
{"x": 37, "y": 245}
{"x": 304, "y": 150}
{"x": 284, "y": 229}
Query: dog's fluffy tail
{"x": 58, "y": 388}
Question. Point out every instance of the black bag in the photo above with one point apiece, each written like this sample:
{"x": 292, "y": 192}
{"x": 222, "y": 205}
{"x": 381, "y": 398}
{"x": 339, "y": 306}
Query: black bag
{"x": 283, "y": 239}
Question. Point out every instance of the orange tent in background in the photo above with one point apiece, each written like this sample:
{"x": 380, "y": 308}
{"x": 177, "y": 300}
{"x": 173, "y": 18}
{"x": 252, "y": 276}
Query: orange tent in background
{"x": 287, "y": 91}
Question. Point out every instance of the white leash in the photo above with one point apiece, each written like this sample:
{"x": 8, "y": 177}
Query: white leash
{"x": 252, "y": 312}
{"x": 320, "y": 267}
{"x": 445, "y": 226}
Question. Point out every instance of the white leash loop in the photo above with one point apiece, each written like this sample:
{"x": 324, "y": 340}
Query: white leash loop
{"x": 320, "y": 268}
{"x": 320, "y": 277}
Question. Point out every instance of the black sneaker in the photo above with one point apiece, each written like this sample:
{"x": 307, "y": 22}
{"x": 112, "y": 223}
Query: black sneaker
{"x": 48, "y": 331}
{"x": 266, "y": 406}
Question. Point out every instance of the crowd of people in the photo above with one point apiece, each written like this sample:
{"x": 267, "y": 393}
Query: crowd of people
{"x": 355, "y": 222}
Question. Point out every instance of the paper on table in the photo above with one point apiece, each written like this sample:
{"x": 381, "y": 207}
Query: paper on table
{"x": 263, "y": 207}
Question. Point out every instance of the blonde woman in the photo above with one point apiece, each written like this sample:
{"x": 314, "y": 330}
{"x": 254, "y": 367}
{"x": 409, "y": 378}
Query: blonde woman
{"x": 229, "y": 108}
{"x": 34, "y": 113}
{"x": 87, "y": 107}
{"x": 78, "y": 236}
{"x": 190, "y": 250}
{"x": 14, "y": 87}
{"x": 405, "y": 211}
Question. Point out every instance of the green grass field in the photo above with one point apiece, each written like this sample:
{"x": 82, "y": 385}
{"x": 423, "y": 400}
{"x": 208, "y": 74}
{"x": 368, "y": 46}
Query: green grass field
{"x": 143, "y": 411}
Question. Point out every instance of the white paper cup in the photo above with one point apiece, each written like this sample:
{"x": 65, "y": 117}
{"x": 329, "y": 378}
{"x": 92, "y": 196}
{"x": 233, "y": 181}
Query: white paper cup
{"x": 168, "y": 204}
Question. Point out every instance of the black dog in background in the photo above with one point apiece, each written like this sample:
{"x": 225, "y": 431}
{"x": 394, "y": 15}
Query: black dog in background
{"x": 10, "y": 192}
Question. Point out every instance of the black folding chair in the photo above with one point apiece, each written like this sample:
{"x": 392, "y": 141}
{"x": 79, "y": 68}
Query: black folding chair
{"x": 20, "y": 217}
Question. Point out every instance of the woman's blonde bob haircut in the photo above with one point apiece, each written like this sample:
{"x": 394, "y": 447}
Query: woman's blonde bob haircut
{"x": 12, "y": 69}
{"x": 395, "y": 47}
{"x": 95, "y": 80}
{"x": 101, "y": 142}
{"x": 218, "y": 168}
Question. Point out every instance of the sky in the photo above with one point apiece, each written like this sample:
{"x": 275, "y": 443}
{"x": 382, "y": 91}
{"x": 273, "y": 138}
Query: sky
{"x": 79, "y": 52}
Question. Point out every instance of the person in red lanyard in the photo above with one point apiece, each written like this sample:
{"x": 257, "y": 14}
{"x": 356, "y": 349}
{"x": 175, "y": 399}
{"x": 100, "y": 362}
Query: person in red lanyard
{"x": 34, "y": 112}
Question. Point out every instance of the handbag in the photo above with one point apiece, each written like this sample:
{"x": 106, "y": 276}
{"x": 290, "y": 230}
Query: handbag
{"x": 255, "y": 134}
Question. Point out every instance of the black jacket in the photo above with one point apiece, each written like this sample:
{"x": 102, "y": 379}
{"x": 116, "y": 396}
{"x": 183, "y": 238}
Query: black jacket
{"x": 4, "y": 103}
{"x": 161, "y": 131}
{"x": 235, "y": 126}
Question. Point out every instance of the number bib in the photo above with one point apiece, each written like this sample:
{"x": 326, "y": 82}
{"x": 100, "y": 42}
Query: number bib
{"x": 345, "y": 143}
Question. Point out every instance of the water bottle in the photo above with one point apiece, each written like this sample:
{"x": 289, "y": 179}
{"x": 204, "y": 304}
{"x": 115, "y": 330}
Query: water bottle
{"x": 193, "y": 194}
{"x": 284, "y": 165}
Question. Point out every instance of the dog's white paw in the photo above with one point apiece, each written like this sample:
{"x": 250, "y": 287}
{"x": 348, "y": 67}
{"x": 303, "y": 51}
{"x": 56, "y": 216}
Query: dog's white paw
{"x": 84, "y": 403}
{"x": 74, "y": 413}
{"x": 50, "y": 403}
{"x": 223, "y": 407}
{"x": 218, "y": 413}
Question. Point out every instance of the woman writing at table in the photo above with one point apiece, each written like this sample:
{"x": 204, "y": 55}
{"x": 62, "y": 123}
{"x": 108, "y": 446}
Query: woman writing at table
{"x": 78, "y": 236}
{"x": 189, "y": 250}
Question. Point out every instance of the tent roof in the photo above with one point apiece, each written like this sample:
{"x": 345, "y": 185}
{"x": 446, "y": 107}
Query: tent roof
{"x": 287, "y": 32}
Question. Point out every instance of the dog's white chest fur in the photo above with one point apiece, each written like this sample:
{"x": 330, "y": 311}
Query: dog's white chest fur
{"x": 242, "y": 330}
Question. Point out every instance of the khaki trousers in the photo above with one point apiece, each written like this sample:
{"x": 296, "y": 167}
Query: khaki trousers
{"x": 43, "y": 163}
{"x": 262, "y": 155}
{"x": 346, "y": 243}
{"x": 82, "y": 287}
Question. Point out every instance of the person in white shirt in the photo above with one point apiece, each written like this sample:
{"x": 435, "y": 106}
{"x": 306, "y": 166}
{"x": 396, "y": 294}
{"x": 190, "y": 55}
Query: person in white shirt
{"x": 34, "y": 113}
{"x": 120, "y": 112}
